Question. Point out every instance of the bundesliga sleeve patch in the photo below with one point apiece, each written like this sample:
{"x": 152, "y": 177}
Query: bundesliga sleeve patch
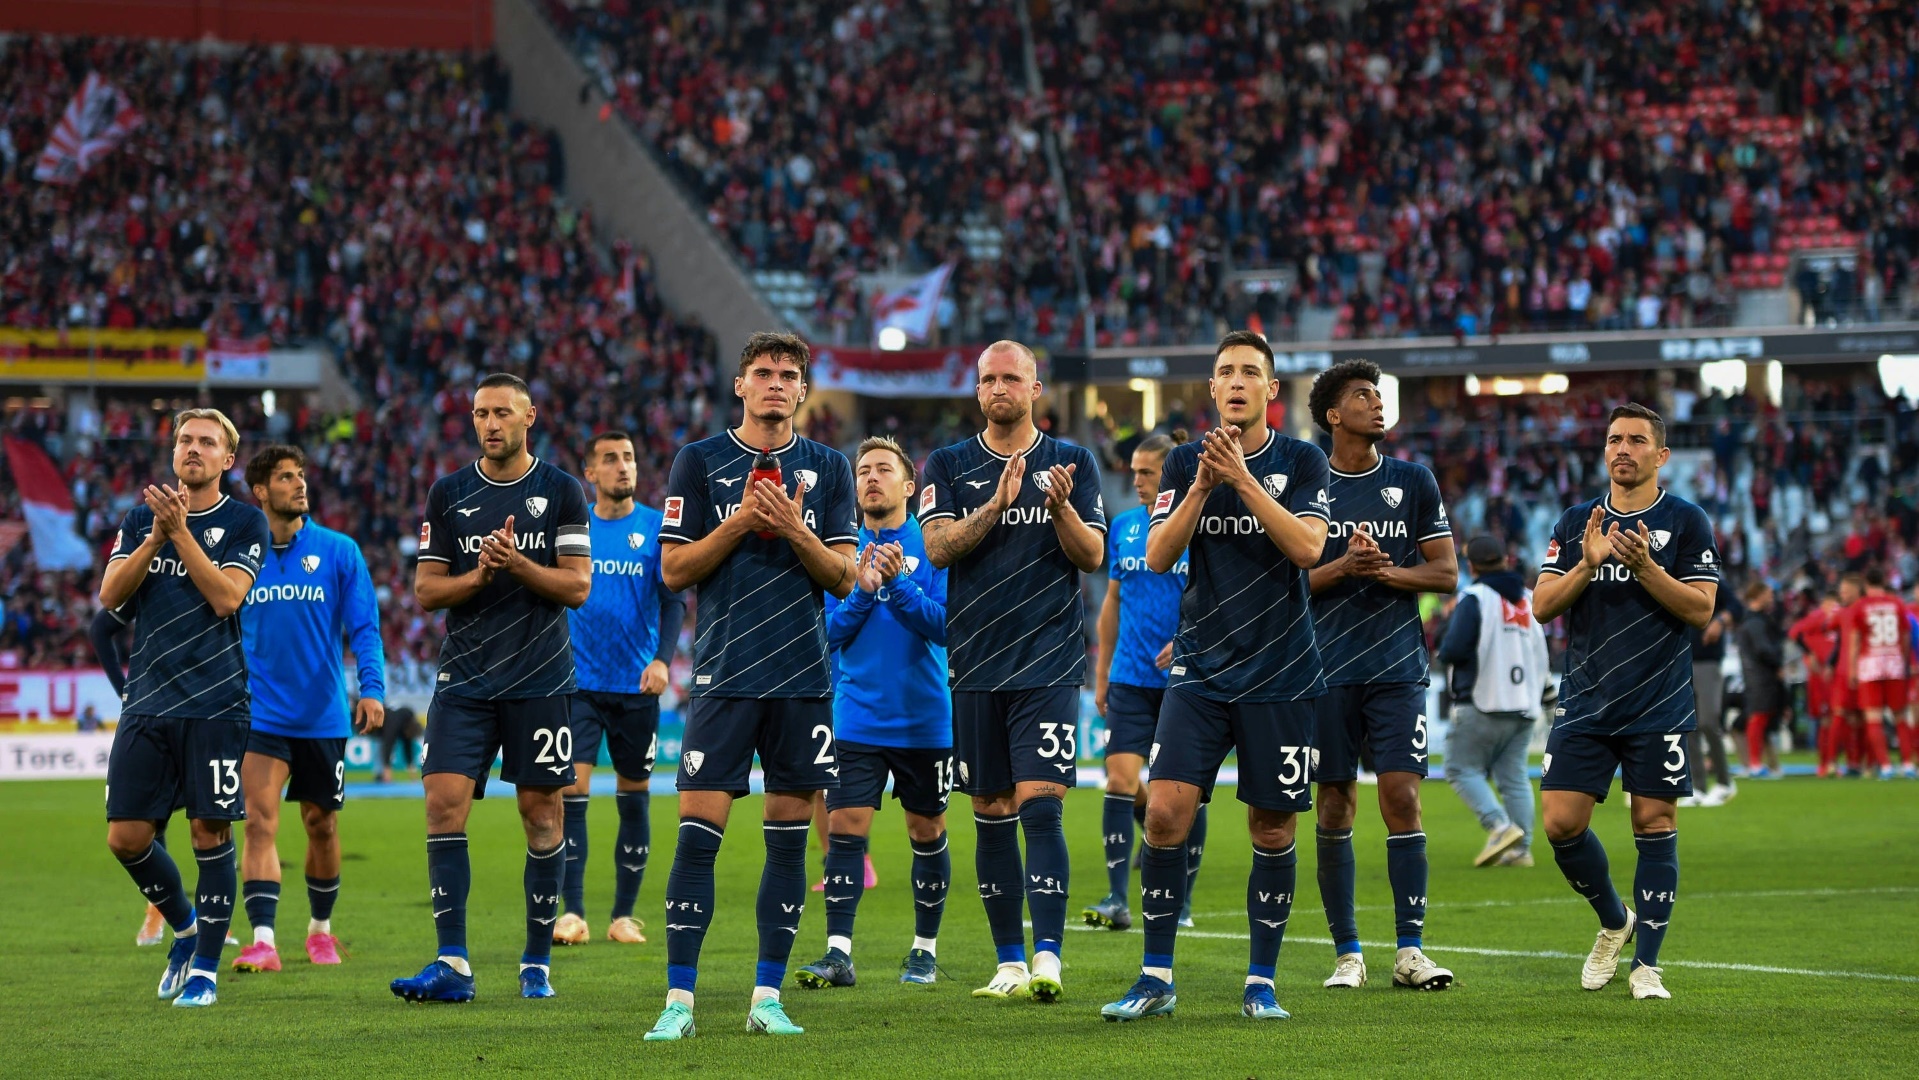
{"x": 426, "y": 534}
{"x": 927, "y": 499}
{"x": 1552, "y": 551}
{"x": 674, "y": 506}
{"x": 1162, "y": 502}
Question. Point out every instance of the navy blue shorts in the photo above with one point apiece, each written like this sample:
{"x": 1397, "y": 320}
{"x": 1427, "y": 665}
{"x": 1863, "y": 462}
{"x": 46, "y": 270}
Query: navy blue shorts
{"x": 161, "y": 764}
{"x": 533, "y": 737}
{"x": 794, "y": 737}
{"x": 1007, "y": 737}
{"x": 922, "y": 778}
{"x": 630, "y": 724}
{"x": 1132, "y": 715}
{"x": 1274, "y": 740}
{"x": 1655, "y": 765}
{"x": 316, "y": 768}
{"x": 1383, "y": 726}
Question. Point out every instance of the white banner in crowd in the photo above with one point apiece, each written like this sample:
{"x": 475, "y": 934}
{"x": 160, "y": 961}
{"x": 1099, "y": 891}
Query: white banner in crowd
{"x": 905, "y": 373}
{"x": 67, "y": 756}
{"x": 45, "y": 694}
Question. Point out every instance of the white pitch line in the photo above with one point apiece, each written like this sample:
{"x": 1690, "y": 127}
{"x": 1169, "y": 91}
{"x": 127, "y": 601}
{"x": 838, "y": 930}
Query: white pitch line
{"x": 1547, "y": 954}
{"x": 1554, "y": 900}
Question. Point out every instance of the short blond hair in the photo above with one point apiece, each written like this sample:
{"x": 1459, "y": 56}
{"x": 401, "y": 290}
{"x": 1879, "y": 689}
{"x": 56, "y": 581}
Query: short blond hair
{"x": 233, "y": 433}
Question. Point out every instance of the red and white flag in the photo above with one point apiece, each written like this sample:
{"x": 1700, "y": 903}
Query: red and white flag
{"x": 911, "y": 308}
{"x": 97, "y": 118}
{"x": 48, "y": 507}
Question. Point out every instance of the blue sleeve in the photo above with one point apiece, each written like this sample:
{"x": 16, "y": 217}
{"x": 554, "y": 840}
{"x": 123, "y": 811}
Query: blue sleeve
{"x": 1429, "y": 515}
{"x": 248, "y": 546}
{"x": 839, "y": 521}
{"x": 1461, "y": 643}
{"x": 936, "y": 490}
{"x": 1175, "y": 481}
{"x": 683, "y": 519}
{"x": 1112, "y": 555}
{"x": 1697, "y": 560}
{"x": 1087, "y": 499}
{"x": 133, "y": 532}
{"x": 363, "y": 625}
{"x": 105, "y": 632}
{"x": 1568, "y": 543}
{"x": 845, "y": 617}
{"x": 436, "y": 531}
{"x": 672, "y": 617}
{"x": 1307, "y": 496}
{"x": 919, "y": 610}
{"x": 571, "y": 533}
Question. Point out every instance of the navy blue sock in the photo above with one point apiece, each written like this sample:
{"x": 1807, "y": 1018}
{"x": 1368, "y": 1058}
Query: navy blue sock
{"x": 545, "y": 870}
{"x": 1116, "y": 832}
{"x": 1583, "y": 860}
{"x": 321, "y": 893}
{"x": 689, "y": 900}
{"x": 996, "y": 861}
{"x": 262, "y": 900}
{"x": 1162, "y": 888}
{"x": 1269, "y": 904}
{"x": 783, "y": 897}
{"x": 1047, "y": 870}
{"x": 574, "y": 887}
{"x": 932, "y": 870}
{"x": 635, "y": 840}
{"x": 1195, "y": 851}
{"x": 213, "y": 903}
{"x": 1406, "y": 873}
{"x": 1655, "y": 884}
{"x": 1336, "y": 887}
{"x": 158, "y": 878}
{"x": 450, "y": 875}
{"x": 845, "y": 882}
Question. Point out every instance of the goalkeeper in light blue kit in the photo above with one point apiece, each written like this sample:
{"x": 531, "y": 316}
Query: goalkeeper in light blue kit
{"x": 623, "y": 642}
{"x": 313, "y": 591}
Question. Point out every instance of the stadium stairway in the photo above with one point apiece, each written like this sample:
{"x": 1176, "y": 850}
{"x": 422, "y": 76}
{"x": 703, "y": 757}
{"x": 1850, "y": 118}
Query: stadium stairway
{"x": 609, "y": 169}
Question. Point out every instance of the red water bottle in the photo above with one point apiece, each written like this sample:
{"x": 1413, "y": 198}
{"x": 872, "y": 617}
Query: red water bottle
{"x": 765, "y": 467}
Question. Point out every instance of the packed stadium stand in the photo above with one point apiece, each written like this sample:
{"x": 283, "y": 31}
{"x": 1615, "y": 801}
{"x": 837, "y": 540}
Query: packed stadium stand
{"x": 385, "y": 205}
{"x": 1419, "y": 168}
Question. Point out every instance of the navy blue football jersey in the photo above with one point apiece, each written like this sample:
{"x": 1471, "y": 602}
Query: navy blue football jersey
{"x": 187, "y": 661}
{"x": 1014, "y": 620}
{"x": 1369, "y": 632}
{"x": 1245, "y": 621}
{"x": 1148, "y": 602}
{"x": 1628, "y": 662}
{"x": 507, "y": 641}
{"x": 761, "y": 624}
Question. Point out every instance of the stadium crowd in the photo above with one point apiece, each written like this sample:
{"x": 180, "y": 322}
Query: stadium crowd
{"x": 1423, "y": 168}
{"x": 381, "y": 204}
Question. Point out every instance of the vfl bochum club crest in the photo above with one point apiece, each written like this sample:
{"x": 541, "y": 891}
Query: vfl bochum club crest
{"x": 693, "y": 759}
{"x": 1660, "y": 538}
{"x": 214, "y": 535}
{"x": 1392, "y": 495}
{"x": 634, "y": 540}
{"x": 536, "y": 505}
{"x": 1043, "y": 481}
{"x": 310, "y": 563}
{"x": 1275, "y": 484}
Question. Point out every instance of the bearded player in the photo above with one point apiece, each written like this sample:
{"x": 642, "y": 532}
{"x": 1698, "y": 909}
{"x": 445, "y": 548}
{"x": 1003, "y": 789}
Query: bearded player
{"x": 1630, "y": 571}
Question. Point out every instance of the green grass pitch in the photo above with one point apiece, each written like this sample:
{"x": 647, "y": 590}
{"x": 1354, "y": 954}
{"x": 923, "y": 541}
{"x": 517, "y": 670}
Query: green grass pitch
{"x": 1791, "y": 952}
